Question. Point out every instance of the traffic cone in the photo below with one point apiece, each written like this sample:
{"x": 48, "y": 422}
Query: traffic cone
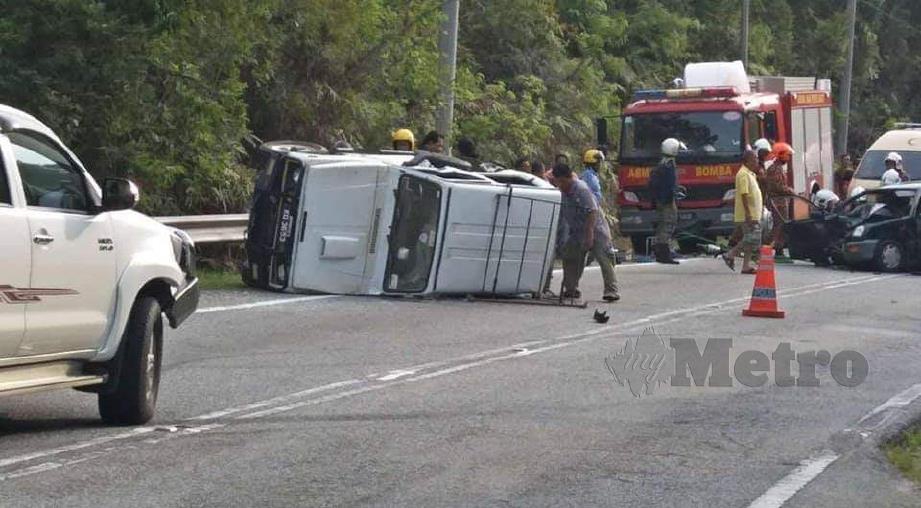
{"x": 764, "y": 295}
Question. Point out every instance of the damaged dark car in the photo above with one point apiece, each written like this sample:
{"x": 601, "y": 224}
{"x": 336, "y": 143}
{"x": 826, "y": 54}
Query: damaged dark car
{"x": 879, "y": 229}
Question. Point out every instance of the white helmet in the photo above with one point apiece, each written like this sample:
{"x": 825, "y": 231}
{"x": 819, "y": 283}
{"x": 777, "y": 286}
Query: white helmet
{"x": 825, "y": 199}
{"x": 894, "y": 157}
{"x": 856, "y": 191}
{"x": 671, "y": 147}
{"x": 762, "y": 145}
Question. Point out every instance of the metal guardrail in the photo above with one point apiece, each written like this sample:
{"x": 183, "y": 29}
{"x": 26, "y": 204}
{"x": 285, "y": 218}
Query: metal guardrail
{"x": 210, "y": 228}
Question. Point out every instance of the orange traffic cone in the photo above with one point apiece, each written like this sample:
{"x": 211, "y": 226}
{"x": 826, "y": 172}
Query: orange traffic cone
{"x": 764, "y": 295}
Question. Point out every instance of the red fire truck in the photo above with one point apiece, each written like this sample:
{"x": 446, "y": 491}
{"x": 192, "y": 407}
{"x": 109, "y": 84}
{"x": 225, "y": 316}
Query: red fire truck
{"x": 717, "y": 123}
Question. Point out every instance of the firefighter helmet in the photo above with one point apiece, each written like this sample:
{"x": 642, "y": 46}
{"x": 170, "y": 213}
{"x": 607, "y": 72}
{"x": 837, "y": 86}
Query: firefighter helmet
{"x": 825, "y": 199}
{"x": 671, "y": 147}
{"x": 404, "y": 135}
{"x": 783, "y": 152}
{"x": 762, "y": 145}
{"x": 592, "y": 157}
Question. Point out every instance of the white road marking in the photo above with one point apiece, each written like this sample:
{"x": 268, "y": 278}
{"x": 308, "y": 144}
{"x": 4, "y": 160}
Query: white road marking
{"x": 265, "y": 303}
{"x": 77, "y": 446}
{"x": 478, "y": 359}
{"x": 274, "y": 400}
{"x": 789, "y": 485}
{"x": 900, "y": 400}
{"x": 810, "y": 469}
{"x": 396, "y": 374}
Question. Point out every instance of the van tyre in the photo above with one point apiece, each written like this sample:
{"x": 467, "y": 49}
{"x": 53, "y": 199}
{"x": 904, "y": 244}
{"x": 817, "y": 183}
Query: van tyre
{"x": 889, "y": 256}
{"x": 134, "y": 398}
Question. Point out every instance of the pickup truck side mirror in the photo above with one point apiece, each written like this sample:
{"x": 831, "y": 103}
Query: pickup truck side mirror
{"x": 119, "y": 194}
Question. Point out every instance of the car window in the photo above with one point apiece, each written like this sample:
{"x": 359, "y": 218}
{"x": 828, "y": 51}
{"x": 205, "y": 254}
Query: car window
{"x": 49, "y": 179}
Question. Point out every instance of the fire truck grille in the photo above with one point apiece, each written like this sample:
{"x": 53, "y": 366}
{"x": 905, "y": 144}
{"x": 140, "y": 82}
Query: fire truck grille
{"x": 694, "y": 193}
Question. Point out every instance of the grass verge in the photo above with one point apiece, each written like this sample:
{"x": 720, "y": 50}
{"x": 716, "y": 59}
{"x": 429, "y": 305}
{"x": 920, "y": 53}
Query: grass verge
{"x": 214, "y": 278}
{"x": 905, "y": 453}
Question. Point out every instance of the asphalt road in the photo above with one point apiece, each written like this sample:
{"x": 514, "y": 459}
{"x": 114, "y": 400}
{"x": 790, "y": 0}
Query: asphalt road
{"x": 359, "y": 401}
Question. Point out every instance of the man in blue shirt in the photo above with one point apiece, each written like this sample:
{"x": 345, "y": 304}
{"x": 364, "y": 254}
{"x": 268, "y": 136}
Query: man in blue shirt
{"x": 592, "y": 160}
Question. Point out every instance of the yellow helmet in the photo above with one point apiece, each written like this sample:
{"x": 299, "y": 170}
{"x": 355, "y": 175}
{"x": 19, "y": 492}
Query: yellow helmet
{"x": 404, "y": 135}
{"x": 593, "y": 157}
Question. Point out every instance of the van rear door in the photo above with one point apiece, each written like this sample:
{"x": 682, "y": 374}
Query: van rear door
{"x": 339, "y": 214}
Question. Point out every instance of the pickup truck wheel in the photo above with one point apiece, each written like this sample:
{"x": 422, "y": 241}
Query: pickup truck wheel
{"x": 889, "y": 256}
{"x": 135, "y": 398}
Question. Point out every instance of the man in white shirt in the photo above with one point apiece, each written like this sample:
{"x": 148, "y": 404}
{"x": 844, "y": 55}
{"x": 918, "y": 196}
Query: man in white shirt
{"x": 892, "y": 175}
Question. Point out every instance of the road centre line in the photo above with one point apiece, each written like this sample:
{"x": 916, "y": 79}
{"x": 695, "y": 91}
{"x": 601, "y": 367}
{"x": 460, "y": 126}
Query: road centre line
{"x": 480, "y": 359}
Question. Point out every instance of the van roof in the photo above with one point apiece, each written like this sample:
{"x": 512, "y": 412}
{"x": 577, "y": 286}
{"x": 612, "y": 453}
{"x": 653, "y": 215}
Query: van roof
{"x": 900, "y": 139}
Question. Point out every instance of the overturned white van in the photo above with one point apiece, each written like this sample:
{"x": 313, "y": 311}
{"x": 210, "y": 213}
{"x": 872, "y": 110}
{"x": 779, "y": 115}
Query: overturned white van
{"x": 384, "y": 224}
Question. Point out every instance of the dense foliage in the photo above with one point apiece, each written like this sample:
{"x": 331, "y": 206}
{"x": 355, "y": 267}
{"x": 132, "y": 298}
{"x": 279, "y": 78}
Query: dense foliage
{"x": 165, "y": 90}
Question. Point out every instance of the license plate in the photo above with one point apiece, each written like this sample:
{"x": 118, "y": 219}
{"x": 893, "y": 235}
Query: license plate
{"x": 727, "y": 217}
{"x": 686, "y": 216}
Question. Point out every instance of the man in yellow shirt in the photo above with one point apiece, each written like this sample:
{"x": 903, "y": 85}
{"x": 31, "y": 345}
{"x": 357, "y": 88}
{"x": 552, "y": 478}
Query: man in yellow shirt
{"x": 748, "y": 207}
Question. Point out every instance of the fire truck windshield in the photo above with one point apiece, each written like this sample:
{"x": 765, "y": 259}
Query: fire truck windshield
{"x": 711, "y": 136}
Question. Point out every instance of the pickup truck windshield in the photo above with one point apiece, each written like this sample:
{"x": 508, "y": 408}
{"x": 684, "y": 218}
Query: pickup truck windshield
{"x": 711, "y": 136}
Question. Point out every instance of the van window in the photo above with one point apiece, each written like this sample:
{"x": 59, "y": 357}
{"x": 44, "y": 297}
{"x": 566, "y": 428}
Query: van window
{"x": 873, "y": 164}
{"x": 413, "y": 235}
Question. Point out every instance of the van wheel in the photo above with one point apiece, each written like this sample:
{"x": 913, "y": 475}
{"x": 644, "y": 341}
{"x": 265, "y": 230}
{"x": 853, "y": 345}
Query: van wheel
{"x": 134, "y": 398}
{"x": 889, "y": 256}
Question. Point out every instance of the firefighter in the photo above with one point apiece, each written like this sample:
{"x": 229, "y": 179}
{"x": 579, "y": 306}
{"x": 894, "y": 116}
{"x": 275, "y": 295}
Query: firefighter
{"x": 763, "y": 148}
{"x": 403, "y": 140}
{"x": 773, "y": 183}
{"x": 893, "y": 175}
{"x": 591, "y": 164}
{"x": 663, "y": 182}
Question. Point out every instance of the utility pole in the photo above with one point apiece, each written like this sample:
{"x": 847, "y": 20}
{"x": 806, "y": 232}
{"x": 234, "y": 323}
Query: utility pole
{"x": 845, "y": 104}
{"x": 746, "y": 7}
{"x": 447, "y": 65}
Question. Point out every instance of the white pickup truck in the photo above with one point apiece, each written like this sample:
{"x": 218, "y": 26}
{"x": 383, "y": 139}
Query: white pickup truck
{"x": 84, "y": 280}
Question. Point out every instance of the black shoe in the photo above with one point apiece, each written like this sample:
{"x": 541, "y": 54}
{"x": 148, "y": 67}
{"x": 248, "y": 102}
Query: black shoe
{"x": 611, "y": 297}
{"x": 664, "y": 254}
{"x": 573, "y": 294}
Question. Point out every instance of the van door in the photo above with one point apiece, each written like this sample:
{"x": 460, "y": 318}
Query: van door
{"x": 413, "y": 235}
{"x": 339, "y": 213}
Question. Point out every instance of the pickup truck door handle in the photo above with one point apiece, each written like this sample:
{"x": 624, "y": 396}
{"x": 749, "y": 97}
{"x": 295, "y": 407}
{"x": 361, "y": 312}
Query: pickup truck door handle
{"x": 42, "y": 239}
